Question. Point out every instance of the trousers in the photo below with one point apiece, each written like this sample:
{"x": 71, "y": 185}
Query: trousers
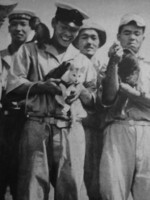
{"x": 11, "y": 125}
{"x": 50, "y": 154}
{"x": 125, "y": 161}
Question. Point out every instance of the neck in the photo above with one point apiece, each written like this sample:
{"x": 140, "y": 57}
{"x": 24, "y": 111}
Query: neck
{"x": 60, "y": 49}
{"x": 89, "y": 56}
{"x": 14, "y": 46}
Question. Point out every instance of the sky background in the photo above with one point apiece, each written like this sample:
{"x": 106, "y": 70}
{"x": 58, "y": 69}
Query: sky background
{"x": 106, "y": 12}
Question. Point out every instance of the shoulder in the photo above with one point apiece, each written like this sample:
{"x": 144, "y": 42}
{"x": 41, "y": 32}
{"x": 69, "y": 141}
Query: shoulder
{"x": 29, "y": 46}
{"x": 144, "y": 63}
{"x": 4, "y": 53}
{"x": 83, "y": 59}
{"x": 6, "y": 58}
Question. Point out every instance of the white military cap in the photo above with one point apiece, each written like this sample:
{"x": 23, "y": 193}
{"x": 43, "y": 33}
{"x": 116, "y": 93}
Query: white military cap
{"x": 89, "y": 24}
{"x": 21, "y": 14}
{"x": 8, "y": 2}
{"x": 126, "y": 19}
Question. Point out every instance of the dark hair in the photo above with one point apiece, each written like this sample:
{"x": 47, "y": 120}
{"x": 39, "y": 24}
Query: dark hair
{"x": 130, "y": 23}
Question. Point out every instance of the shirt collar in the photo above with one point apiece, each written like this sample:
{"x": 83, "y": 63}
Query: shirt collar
{"x": 6, "y": 57}
{"x": 70, "y": 53}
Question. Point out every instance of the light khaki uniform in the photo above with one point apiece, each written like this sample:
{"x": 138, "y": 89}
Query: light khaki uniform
{"x": 125, "y": 162}
{"x": 51, "y": 150}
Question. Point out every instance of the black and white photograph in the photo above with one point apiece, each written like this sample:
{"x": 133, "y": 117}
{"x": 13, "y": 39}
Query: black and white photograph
{"x": 74, "y": 100}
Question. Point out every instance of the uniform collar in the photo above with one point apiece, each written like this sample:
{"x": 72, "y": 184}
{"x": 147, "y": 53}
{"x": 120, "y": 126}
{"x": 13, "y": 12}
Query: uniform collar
{"x": 69, "y": 54}
{"x": 6, "y": 57}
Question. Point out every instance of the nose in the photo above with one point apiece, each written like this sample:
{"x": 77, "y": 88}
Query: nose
{"x": 18, "y": 27}
{"x": 132, "y": 36}
{"x": 68, "y": 33}
{"x": 89, "y": 40}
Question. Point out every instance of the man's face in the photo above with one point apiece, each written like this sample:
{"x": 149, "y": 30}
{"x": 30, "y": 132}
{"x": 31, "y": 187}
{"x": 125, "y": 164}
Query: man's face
{"x": 131, "y": 37}
{"x": 19, "y": 30}
{"x": 88, "y": 42}
{"x": 64, "y": 34}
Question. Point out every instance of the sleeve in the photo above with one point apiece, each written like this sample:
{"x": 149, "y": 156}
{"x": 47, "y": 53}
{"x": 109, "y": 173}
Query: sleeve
{"x": 1, "y": 85}
{"x": 17, "y": 75}
{"x": 100, "y": 78}
{"x": 88, "y": 94}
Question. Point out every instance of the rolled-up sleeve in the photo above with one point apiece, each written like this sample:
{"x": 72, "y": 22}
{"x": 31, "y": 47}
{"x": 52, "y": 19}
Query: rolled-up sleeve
{"x": 90, "y": 84}
{"x": 18, "y": 72}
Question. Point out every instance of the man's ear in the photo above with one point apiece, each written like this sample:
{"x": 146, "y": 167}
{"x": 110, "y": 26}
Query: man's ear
{"x": 53, "y": 23}
{"x": 118, "y": 37}
{"x": 143, "y": 38}
{"x": 9, "y": 28}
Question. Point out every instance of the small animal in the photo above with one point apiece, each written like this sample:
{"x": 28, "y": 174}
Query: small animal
{"x": 70, "y": 81}
{"x": 74, "y": 75}
{"x": 128, "y": 68}
{"x": 42, "y": 33}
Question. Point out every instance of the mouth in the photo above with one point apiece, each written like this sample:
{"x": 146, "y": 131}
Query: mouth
{"x": 132, "y": 44}
{"x": 18, "y": 35}
{"x": 66, "y": 39}
{"x": 89, "y": 48}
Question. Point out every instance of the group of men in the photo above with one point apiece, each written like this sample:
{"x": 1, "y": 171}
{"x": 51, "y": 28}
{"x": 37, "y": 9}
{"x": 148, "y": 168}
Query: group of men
{"x": 46, "y": 141}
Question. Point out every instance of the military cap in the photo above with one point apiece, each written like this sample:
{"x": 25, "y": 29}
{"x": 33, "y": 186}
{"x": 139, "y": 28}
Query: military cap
{"x": 126, "y": 19}
{"x": 89, "y": 24}
{"x": 21, "y": 14}
{"x": 8, "y": 2}
{"x": 70, "y": 14}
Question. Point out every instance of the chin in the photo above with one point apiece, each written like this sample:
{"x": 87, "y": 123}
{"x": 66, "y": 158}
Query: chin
{"x": 134, "y": 49}
{"x": 65, "y": 44}
{"x": 89, "y": 54}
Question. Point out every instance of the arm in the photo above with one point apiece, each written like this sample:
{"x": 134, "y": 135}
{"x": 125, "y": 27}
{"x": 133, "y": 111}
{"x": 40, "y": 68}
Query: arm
{"x": 19, "y": 81}
{"x": 41, "y": 87}
{"x": 111, "y": 81}
{"x": 135, "y": 95}
{"x": 88, "y": 89}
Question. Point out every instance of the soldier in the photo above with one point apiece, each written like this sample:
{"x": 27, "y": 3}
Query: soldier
{"x": 91, "y": 37}
{"x": 5, "y": 8}
{"x": 124, "y": 165}
{"x": 51, "y": 150}
{"x": 13, "y": 119}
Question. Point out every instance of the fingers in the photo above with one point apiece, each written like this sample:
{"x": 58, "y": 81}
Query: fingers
{"x": 119, "y": 52}
{"x": 54, "y": 80}
{"x": 72, "y": 98}
{"x": 115, "y": 49}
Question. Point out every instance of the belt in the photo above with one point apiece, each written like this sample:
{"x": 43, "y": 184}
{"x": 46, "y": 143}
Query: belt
{"x": 51, "y": 120}
{"x": 133, "y": 122}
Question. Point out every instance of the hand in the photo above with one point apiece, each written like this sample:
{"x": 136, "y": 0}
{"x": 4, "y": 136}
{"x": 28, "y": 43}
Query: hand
{"x": 126, "y": 88}
{"x": 58, "y": 72}
{"x": 115, "y": 52}
{"x": 74, "y": 94}
{"x": 52, "y": 86}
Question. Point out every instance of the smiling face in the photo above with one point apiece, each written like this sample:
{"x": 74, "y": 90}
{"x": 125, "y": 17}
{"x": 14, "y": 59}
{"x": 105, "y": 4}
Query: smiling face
{"x": 88, "y": 42}
{"x": 131, "y": 36}
{"x": 19, "y": 30}
{"x": 64, "y": 34}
